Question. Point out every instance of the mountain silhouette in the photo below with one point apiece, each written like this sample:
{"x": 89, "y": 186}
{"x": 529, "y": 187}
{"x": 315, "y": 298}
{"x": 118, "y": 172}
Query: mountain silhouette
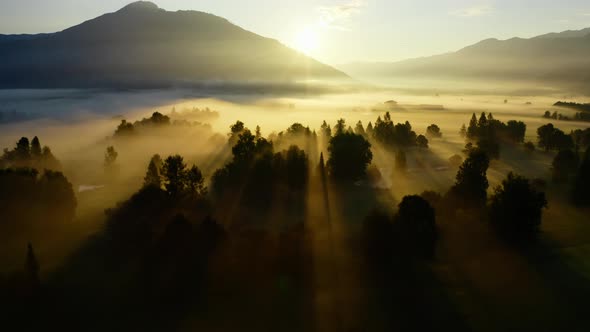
{"x": 557, "y": 59}
{"x": 142, "y": 45}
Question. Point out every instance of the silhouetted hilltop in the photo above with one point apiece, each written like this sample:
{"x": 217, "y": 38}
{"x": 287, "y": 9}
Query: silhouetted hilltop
{"x": 559, "y": 58}
{"x": 143, "y": 45}
{"x": 566, "y": 34}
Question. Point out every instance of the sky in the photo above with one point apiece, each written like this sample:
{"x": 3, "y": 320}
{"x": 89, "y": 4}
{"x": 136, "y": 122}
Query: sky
{"x": 339, "y": 31}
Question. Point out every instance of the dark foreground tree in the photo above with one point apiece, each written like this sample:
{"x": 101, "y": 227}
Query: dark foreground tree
{"x": 516, "y": 209}
{"x": 195, "y": 182}
{"x": 415, "y": 226}
{"x": 581, "y": 189}
{"x": 551, "y": 138}
{"x": 433, "y": 131}
{"x": 564, "y": 165}
{"x": 515, "y": 131}
{"x": 33, "y": 203}
{"x": 32, "y": 269}
{"x": 470, "y": 189}
{"x": 174, "y": 171}
{"x": 378, "y": 240}
{"x": 29, "y": 156}
{"x": 422, "y": 142}
{"x": 350, "y": 154}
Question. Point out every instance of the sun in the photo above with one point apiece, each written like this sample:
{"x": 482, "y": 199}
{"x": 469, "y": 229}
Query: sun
{"x": 307, "y": 41}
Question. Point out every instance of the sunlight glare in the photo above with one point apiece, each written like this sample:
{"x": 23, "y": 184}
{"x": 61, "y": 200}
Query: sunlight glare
{"x": 307, "y": 41}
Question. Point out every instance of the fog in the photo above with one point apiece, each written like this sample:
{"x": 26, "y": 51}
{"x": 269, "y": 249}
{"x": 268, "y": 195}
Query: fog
{"x": 79, "y": 126}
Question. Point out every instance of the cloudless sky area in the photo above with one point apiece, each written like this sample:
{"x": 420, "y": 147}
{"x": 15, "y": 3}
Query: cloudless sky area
{"x": 338, "y": 31}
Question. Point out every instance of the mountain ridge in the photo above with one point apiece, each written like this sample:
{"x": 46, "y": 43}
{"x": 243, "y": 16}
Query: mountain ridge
{"x": 559, "y": 59}
{"x": 144, "y": 45}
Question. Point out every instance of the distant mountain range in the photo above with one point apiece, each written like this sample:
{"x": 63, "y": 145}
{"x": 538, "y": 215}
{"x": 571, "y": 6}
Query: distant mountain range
{"x": 142, "y": 45}
{"x": 554, "y": 58}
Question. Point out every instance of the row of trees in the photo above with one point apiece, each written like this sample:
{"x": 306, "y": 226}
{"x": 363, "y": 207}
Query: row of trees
{"x": 256, "y": 171}
{"x": 157, "y": 120}
{"x": 392, "y": 135}
{"x": 29, "y": 154}
{"x": 514, "y": 211}
{"x": 175, "y": 177}
{"x": 551, "y": 138}
{"x": 487, "y": 133}
{"x": 350, "y": 154}
{"x": 31, "y": 201}
{"x": 515, "y": 207}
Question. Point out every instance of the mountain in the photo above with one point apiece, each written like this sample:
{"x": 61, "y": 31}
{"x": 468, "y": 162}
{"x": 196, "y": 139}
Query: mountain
{"x": 142, "y": 45}
{"x": 557, "y": 59}
{"x": 566, "y": 34}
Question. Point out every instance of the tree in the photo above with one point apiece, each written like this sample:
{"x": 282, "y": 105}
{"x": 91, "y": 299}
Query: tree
{"x": 297, "y": 167}
{"x": 551, "y": 138}
{"x": 433, "y": 131}
{"x": 340, "y": 127}
{"x": 529, "y": 146}
{"x": 32, "y": 268}
{"x": 545, "y": 136}
{"x": 359, "y": 129}
{"x": 483, "y": 121}
{"x": 516, "y": 209}
{"x": 564, "y": 165}
{"x": 174, "y": 172}
{"x": 422, "y": 142}
{"x": 378, "y": 239}
{"x": 471, "y": 182}
{"x": 195, "y": 182}
{"x": 235, "y": 130}
{"x": 36, "y": 148}
{"x": 153, "y": 177}
{"x": 48, "y": 160}
{"x": 490, "y": 146}
{"x": 516, "y": 131}
{"x": 125, "y": 129}
{"x": 23, "y": 150}
{"x": 326, "y": 131}
{"x": 350, "y": 154}
{"x": 245, "y": 147}
{"x": 110, "y": 156}
{"x": 472, "y": 129}
{"x": 32, "y": 203}
{"x": 403, "y": 135}
{"x": 370, "y": 130}
{"x": 415, "y": 225}
{"x": 581, "y": 189}
{"x": 159, "y": 119}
